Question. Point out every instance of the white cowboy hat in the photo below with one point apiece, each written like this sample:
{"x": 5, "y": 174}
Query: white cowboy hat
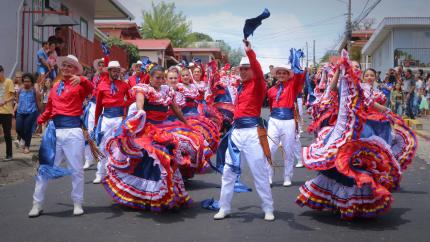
{"x": 139, "y": 62}
{"x": 191, "y": 64}
{"x": 71, "y": 59}
{"x": 244, "y": 62}
{"x": 281, "y": 67}
{"x": 113, "y": 64}
{"x": 96, "y": 62}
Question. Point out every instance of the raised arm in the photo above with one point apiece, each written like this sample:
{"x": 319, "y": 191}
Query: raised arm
{"x": 255, "y": 65}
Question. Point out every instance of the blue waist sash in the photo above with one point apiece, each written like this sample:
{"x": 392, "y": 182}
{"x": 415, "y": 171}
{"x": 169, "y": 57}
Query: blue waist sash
{"x": 67, "y": 122}
{"x": 189, "y": 110}
{"x": 227, "y": 143}
{"x": 113, "y": 112}
{"x": 247, "y": 122}
{"x": 282, "y": 113}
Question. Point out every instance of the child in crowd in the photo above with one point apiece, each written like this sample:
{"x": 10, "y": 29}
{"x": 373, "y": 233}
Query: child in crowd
{"x": 397, "y": 99}
{"x": 424, "y": 104}
{"x": 52, "y": 61}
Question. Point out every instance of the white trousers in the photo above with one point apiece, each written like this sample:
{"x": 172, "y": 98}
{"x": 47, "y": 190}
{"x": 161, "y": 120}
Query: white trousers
{"x": 91, "y": 120}
{"x": 248, "y": 143}
{"x": 283, "y": 132}
{"x": 298, "y": 150}
{"x": 69, "y": 147}
{"x": 108, "y": 126}
{"x": 300, "y": 106}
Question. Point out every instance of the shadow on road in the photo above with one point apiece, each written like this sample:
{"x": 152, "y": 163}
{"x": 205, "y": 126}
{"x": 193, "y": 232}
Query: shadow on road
{"x": 411, "y": 192}
{"x": 390, "y": 221}
{"x": 194, "y": 185}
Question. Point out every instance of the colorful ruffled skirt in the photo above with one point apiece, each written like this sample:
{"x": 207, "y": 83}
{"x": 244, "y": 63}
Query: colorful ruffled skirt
{"x": 141, "y": 173}
{"x": 359, "y": 160}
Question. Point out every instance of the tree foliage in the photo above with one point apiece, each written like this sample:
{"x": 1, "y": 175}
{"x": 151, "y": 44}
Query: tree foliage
{"x": 132, "y": 51}
{"x": 235, "y": 55}
{"x": 197, "y": 37}
{"x": 163, "y": 22}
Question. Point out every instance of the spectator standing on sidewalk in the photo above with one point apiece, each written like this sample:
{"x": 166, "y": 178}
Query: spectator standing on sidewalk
{"x": 424, "y": 104}
{"x": 27, "y": 110}
{"x": 386, "y": 87}
{"x": 18, "y": 85}
{"x": 409, "y": 92}
{"x": 7, "y": 97}
{"x": 397, "y": 99}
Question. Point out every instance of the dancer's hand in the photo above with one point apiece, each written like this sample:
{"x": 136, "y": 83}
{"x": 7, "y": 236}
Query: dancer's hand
{"x": 75, "y": 80}
{"x": 247, "y": 45}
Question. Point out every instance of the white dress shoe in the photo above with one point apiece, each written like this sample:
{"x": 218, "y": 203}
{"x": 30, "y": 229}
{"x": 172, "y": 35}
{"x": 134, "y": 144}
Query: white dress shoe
{"x": 98, "y": 179}
{"x": 287, "y": 183}
{"x": 88, "y": 164}
{"x": 77, "y": 209}
{"x": 299, "y": 165}
{"x": 36, "y": 210}
{"x": 221, "y": 214}
{"x": 268, "y": 216}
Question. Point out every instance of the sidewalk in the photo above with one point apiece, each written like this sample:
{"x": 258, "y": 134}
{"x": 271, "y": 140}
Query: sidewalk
{"x": 22, "y": 166}
{"x": 423, "y": 136}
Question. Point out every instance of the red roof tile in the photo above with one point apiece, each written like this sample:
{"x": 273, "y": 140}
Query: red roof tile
{"x": 150, "y": 44}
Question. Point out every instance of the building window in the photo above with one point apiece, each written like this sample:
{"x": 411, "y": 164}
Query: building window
{"x": 84, "y": 28}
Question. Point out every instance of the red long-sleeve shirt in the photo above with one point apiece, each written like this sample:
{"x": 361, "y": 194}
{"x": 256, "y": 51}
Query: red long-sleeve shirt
{"x": 105, "y": 99}
{"x": 292, "y": 88}
{"x": 250, "y": 99}
{"x": 70, "y": 101}
{"x": 144, "y": 78}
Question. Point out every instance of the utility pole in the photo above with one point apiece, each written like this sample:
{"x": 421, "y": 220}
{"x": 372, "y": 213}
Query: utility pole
{"x": 349, "y": 27}
{"x": 314, "y": 53}
{"x": 307, "y": 55}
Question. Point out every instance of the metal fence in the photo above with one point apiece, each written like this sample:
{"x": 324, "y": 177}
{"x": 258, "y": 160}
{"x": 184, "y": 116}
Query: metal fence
{"x": 412, "y": 57}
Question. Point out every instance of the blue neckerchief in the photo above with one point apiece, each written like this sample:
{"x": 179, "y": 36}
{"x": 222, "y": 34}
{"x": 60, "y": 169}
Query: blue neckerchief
{"x": 240, "y": 88}
{"x": 137, "y": 79}
{"x": 60, "y": 88}
{"x": 280, "y": 89}
{"x": 113, "y": 88}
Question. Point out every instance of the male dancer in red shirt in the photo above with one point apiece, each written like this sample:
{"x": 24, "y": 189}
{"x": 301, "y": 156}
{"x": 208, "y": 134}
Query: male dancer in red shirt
{"x": 244, "y": 142}
{"x": 282, "y": 124}
{"x": 64, "y": 107}
{"x": 111, "y": 102}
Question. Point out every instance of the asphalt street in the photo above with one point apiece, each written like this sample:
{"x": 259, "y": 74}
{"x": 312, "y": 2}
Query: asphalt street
{"x": 408, "y": 219}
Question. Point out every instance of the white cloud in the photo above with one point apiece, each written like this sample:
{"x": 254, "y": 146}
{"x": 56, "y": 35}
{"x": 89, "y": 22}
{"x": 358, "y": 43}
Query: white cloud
{"x": 272, "y": 39}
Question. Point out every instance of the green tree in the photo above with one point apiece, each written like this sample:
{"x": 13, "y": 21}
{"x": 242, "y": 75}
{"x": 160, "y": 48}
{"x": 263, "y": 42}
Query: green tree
{"x": 132, "y": 51}
{"x": 163, "y": 22}
{"x": 198, "y": 37}
{"x": 235, "y": 55}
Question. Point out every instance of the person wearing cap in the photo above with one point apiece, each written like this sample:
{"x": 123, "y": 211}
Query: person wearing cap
{"x": 111, "y": 102}
{"x": 282, "y": 123}
{"x": 139, "y": 76}
{"x": 90, "y": 109}
{"x": 243, "y": 139}
{"x": 64, "y": 108}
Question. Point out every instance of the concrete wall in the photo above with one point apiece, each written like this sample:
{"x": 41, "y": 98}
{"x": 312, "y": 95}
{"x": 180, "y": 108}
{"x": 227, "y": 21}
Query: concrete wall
{"x": 411, "y": 38}
{"x": 383, "y": 56}
{"x": 10, "y": 18}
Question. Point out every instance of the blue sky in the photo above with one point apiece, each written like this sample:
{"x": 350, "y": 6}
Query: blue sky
{"x": 291, "y": 24}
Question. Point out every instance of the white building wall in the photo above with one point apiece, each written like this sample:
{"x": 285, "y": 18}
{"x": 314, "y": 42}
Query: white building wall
{"x": 411, "y": 38}
{"x": 34, "y": 36}
{"x": 383, "y": 56}
{"x": 10, "y": 18}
